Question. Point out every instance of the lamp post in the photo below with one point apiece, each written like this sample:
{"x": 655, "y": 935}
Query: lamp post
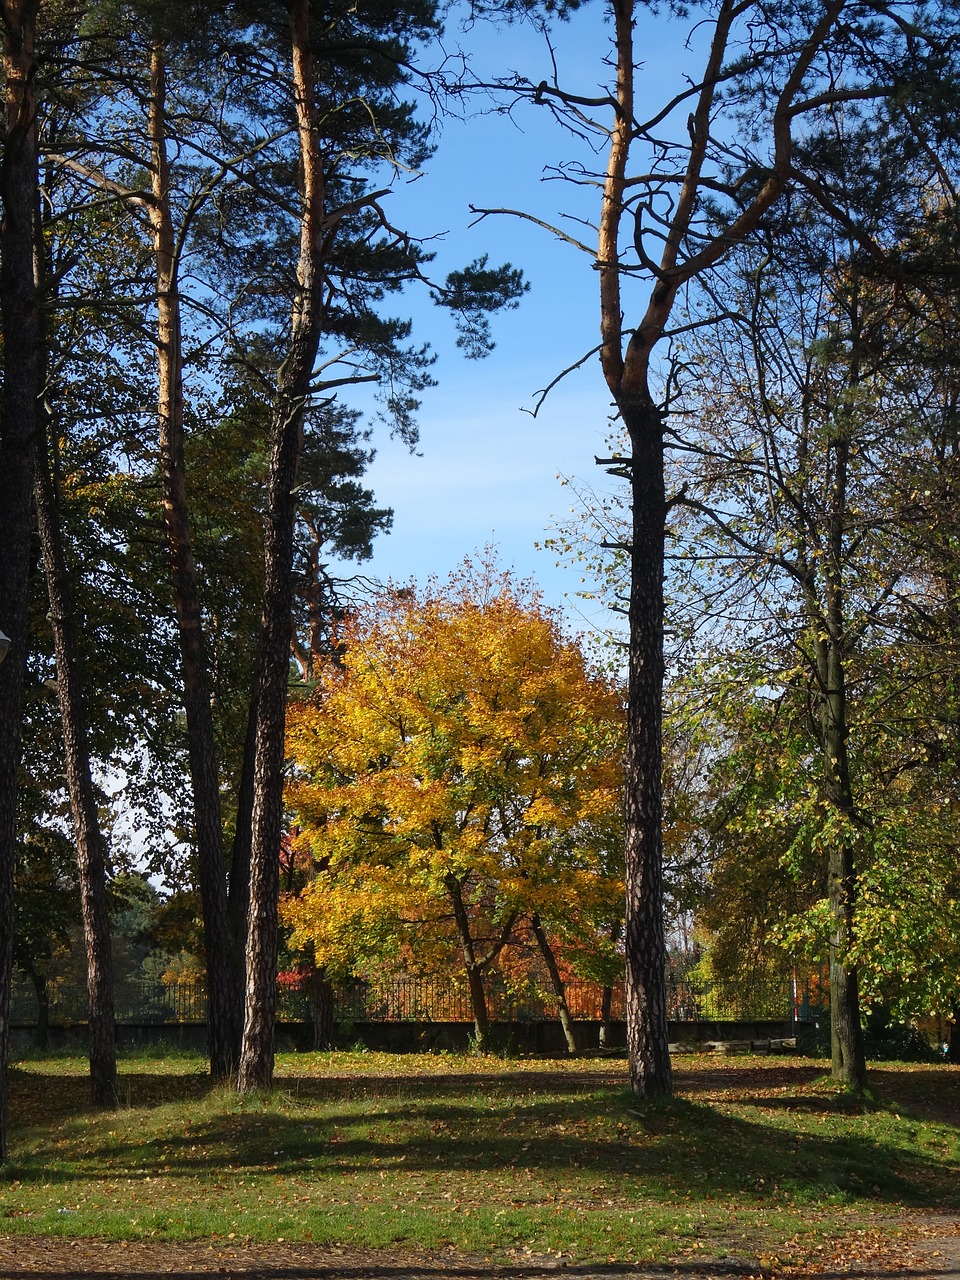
{"x": 5, "y": 643}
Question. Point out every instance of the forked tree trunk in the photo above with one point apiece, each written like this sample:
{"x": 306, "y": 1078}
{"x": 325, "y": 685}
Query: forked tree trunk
{"x": 223, "y": 966}
{"x": 22, "y": 337}
{"x": 286, "y": 433}
{"x": 625, "y": 357}
{"x": 84, "y": 810}
{"x": 474, "y": 965}
{"x": 559, "y": 986}
{"x": 471, "y": 966}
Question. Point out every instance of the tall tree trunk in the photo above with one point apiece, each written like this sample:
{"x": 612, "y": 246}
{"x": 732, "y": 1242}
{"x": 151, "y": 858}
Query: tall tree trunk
{"x": 627, "y": 376}
{"x": 848, "y": 1064}
{"x": 238, "y": 881}
{"x": 644, "y": 941}
{"x": 626, "y": 370}
{"x": 84, "y": 812}
{"x": 223, "y": 993}
{"x": 286, "y": 433}
{"x": 20, "y": 306}
{"x": 848, "y": 1061}
{"x": 559, "y": 987}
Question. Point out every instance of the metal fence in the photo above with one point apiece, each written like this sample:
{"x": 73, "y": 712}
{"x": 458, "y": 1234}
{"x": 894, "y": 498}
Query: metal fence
{"x": 430, "y": 1000}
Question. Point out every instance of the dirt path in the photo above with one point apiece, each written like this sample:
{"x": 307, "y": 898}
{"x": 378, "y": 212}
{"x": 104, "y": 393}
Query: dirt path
{"x": 928, "y": 1248}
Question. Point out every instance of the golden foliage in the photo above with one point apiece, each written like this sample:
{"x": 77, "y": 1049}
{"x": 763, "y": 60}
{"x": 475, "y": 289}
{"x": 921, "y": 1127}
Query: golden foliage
{"x": 460, "y": 745}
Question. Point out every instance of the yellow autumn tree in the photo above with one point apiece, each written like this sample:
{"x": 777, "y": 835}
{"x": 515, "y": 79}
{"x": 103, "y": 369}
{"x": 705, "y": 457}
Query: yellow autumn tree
{"x": 456, "y": 769}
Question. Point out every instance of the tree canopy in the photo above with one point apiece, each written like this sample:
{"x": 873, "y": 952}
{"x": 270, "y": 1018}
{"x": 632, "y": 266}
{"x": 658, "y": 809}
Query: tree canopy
{"x": 456, "y": 770}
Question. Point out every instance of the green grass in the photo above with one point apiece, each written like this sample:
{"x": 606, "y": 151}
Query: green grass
{"x": 754, "y": 1157}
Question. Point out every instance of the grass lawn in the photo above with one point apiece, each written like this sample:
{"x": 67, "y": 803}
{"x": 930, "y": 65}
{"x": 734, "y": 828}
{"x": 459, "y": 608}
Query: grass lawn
{"x": 756, "y": 1158}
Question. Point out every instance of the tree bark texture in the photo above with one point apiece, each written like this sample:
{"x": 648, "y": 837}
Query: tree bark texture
{"x": 644, "y": 940}
{"x": 626, "y": 375}
{"x": 20, "y": 313}
{"x": 286, "y": 434}
{"x": 223, "y": 966}
{"x": 84, "y": 810}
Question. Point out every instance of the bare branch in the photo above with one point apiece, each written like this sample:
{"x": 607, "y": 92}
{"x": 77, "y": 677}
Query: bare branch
{"x": 529, "y": 217}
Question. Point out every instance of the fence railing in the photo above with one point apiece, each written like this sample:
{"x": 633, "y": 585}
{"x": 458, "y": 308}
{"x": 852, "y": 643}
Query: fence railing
{"x": 429, "y": 1000}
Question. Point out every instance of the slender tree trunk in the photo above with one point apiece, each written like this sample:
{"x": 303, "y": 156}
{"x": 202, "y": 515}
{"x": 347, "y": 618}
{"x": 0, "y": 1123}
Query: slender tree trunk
{"x": 606, "y": 1010}
{"x": 293, "y": 388}
{"x": 848, "y": 1064}
{"x": 238, "y": 890}
{"x": 223, "y": 995}
{"x": 84, "y": 811}
{"x": 20, "y": 307}
{"x": 41, "y": 1032}
{"x": 644, "y": 941}
{"x": 559, "y": 987}
{"x": 472, "y": 967}
{"x": 626, "y": 370}
{"x": 606, "y": 995}
{"x": 846, "y": 1035}
{"x": 627, "y": 376}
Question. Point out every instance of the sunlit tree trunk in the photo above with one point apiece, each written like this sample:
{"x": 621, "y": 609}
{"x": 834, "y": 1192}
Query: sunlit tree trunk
{"x": 556, "y": 981}
{"x": 223, "y": 991}
{"x": 627, "y": 378}
{"x": 286, "y": 435}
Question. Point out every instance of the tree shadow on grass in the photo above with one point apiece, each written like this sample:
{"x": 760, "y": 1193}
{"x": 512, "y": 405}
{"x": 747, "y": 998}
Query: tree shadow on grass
{"x": 925, "y": 1093}
{"x": 678, "y": 1149}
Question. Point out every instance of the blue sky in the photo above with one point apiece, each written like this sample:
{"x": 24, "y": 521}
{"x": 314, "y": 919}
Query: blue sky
{"x": 488, "y": 471}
